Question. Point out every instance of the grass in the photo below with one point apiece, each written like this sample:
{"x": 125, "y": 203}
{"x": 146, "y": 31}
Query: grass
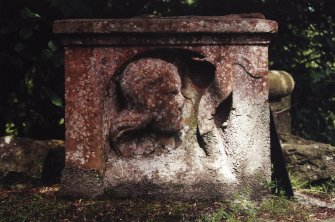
{"x": 281, "y": 208}
{"x": 326, "y": 187}
{"x": 234, "y": 211}
{"x": 45, "y": 204}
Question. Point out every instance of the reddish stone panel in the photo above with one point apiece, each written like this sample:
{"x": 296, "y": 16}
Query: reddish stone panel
{"x": 88, "y": 72}
{"x": 83, "y": 147}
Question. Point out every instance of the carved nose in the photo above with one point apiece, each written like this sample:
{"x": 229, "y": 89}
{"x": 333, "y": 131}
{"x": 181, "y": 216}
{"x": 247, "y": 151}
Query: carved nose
{"x": 180, "y": 100}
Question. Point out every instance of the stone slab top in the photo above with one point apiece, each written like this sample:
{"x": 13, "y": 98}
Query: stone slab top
{"x": 235, "y": 23}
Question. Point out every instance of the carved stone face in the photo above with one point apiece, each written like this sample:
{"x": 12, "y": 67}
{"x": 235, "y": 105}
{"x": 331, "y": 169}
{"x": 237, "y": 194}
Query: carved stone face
{"x": 153, "y": 86}
{"x": 168, "y": 111}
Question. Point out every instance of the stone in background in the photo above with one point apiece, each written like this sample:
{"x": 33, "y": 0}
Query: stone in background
{"x": 26, "y": 162}
{"x": 308, "y": 160}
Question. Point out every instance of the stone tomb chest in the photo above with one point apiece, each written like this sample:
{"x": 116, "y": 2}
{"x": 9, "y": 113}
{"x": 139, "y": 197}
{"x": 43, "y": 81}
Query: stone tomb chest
{"x": 171, "y": 108}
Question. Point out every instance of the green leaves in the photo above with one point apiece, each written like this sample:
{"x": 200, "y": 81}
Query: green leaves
{"x": 26, "y": 32}
{"x": 53, "y": 97}
{"x": 19, "y": 47}
{"x": 73, "y": 8}
{"x": 27, "y": 13}
{"x": 31, "y": 61}
{"x": 190, "y": 2}
{"x": 52, "y": 46}
{"x": 304, "y": 47}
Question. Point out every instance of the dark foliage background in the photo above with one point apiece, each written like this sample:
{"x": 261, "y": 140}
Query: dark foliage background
{"x": 31, "y": 59}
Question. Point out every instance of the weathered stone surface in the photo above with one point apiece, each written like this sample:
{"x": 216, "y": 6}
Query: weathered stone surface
{"x": 81, "y": 183}
{"x": 30, "y": 162}
{"x": 248, "y": 23}
{"x": 281, "y": 84}
{"x": 167, "y": 31}
{"x": 310, "y": 161}
{"x": 167, "y": 107}
{"x": 281, "y": 110}
{"x": 152, "y": 92}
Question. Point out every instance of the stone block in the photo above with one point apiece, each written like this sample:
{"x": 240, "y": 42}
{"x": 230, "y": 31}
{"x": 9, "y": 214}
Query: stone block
{"x": 310, "y": 161}
{"x": 173, "y": 108}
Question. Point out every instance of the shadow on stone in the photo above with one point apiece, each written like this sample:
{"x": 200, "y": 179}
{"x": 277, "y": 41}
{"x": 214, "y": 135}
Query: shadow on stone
{"x": 280, "y": 176}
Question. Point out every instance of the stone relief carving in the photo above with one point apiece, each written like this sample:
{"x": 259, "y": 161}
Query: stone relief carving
{"x": 152, "y": 114}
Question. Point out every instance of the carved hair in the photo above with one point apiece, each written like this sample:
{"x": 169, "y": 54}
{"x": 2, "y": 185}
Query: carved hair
{"x": 142, "y": 81}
